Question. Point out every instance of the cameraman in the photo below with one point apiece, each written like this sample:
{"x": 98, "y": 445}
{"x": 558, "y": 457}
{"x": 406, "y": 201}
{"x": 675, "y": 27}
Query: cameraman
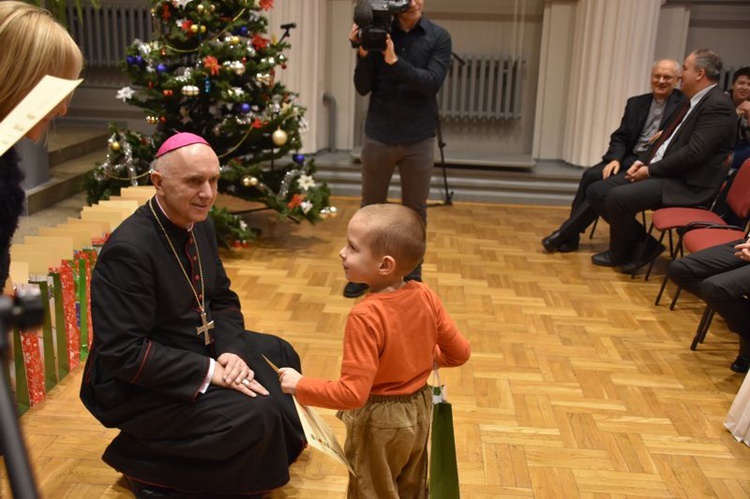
{"x": 403, "y": 81}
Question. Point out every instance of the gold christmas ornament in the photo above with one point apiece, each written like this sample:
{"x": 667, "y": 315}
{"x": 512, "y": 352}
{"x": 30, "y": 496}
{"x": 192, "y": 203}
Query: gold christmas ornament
{"x": 279, "y": 137}
{"x": 190, "y": 90}
{"x": 114, "y": 145}
{"x": 234, "y": 40}
{"x": 237, "y": 67}
{"x": 249, "y": 181}
{"x": 200, "y": 8}
{"x": 194, "y": 28}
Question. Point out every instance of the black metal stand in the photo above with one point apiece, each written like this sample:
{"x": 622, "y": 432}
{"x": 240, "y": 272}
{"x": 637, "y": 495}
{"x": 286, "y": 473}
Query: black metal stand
{"x": 17, "y": 461}
{"x": 448, "y": 201}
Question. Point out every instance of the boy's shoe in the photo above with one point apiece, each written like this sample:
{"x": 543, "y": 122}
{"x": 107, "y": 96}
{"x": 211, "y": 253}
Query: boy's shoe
{"x": 355, "y": 289}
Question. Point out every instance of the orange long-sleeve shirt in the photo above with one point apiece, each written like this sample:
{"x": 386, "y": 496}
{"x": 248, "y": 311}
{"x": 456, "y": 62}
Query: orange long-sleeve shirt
{"x": 390, "y": 343}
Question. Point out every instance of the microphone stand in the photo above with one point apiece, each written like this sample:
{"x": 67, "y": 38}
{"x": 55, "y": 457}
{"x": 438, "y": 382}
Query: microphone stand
{"x": 448, "y": 201}
{"x": 286, "y": 27}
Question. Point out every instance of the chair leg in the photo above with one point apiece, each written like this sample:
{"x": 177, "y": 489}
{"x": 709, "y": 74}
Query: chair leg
{"x": 674, "y": 300}
{"x": 702, "y": 329}
{"x": 593, "y": 228}
{"x": 651, "y": 264}
{"x": 661, "y": 289}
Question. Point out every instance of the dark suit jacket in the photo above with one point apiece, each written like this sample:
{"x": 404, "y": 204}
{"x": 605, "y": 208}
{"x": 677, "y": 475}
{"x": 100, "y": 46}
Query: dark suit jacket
{"x": 695, "y": 162}
{"x": 624, "y": 139}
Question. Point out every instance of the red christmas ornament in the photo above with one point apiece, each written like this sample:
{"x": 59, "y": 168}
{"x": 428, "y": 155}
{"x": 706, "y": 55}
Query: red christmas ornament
{"x": 163, "y": 119}
{"x": 168, "y": 92}
{"x": 165, "y": 13}
{"x": 259, "y": 42}
{"x": 295, "y": 201}
{"x": 212, "y": 64}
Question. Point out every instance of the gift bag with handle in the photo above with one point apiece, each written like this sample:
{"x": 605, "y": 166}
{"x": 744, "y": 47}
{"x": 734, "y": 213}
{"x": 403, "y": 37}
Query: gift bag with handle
{"x": 443, "y": 464}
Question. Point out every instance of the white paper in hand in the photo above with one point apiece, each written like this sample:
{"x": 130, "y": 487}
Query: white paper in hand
{"x": 37, "y": 104}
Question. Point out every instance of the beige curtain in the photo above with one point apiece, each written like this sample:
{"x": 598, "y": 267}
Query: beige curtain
{"x": 613, "y": 47}
{"x": 305, "y": 72}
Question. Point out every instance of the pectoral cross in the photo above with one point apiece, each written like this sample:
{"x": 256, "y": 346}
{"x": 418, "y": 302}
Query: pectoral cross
{"x": 204, "y": 327}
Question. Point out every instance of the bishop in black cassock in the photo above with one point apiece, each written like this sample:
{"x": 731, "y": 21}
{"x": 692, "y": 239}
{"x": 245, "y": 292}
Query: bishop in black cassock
{"x": 147, "y": 365}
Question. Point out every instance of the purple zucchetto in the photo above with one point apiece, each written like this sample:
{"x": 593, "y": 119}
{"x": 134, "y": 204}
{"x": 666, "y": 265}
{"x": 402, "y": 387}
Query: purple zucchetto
{"x": 180, "y": 140}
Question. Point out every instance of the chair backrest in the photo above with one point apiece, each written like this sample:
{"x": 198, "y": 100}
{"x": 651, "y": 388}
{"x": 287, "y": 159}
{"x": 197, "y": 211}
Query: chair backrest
{"x": 738, "y": 195}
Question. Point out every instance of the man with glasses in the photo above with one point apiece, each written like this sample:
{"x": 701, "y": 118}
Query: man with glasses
{"x": 685, "y": 166}
{"x": 644, "y": 116}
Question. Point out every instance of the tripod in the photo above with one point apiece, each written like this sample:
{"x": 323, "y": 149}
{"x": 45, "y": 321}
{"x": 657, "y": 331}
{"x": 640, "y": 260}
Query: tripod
{"x": 448, "y": 201}
{"x": 11, "y": 443}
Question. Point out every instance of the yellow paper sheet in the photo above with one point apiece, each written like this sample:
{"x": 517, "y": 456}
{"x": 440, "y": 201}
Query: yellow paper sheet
{"x": 37, "y": 104}
{"x": 317, "y": 433}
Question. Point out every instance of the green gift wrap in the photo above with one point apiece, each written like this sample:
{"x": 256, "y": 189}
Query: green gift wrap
{"x": 443, "y": 463}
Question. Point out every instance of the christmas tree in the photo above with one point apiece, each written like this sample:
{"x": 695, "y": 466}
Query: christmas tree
{"x": 211, "y": 70}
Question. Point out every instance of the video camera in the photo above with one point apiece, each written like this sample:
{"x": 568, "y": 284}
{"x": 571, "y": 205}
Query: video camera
{"x": 374, "y": 18}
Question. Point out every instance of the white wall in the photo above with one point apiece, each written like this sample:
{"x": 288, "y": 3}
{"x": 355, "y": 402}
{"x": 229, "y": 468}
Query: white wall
{"x": 542, "y": 31}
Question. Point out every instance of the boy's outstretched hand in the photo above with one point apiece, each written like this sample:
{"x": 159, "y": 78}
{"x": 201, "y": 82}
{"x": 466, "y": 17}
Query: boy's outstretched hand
{"x": 289, "y": 378}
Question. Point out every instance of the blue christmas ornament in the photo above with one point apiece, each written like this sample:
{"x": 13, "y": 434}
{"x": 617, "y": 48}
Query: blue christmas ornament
{"x": 299, "y": 159}
{"x": 130, "y": 60}
{"x": 243, "y": 30}
{"x": 138, "y": 60}
{"x": 161, "y": 68}
{"x": 245, "y": 108}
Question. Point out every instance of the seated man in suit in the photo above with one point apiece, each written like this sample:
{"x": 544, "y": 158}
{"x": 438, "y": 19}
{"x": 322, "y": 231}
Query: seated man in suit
{"x": 644, "y": 115}
{"x": 684, "y": 167}
{"x": 720, "y": 275}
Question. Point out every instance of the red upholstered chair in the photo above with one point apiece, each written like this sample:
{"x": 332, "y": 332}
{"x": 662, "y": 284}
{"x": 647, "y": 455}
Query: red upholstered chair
{"x": 696, "y": 240}
{"x": 672, "y": 218}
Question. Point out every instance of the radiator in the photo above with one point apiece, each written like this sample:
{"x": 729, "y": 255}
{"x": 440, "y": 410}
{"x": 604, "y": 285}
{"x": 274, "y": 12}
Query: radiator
{"x": 484, "y": 88}
{"x": 105, "y": 33}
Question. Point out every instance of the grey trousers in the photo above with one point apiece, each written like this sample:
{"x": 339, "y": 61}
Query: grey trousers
{"x": 415, "y": 163}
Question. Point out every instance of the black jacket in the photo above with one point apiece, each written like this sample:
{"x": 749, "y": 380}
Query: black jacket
{"x": 12, "y": 198}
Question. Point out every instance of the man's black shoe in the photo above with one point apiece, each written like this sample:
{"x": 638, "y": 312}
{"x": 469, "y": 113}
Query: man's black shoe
{"x": 557, "y": 242}
{"x": 355, "y": 289}
{"x": 653, "y": 250}
{"x": 741, "y": 364}
{"x": 569, "y": 246}
{"x": 605, "y": 259}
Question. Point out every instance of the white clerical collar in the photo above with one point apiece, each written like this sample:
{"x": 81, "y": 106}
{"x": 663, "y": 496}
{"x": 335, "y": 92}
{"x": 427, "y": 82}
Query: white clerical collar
{"x": 189, "y": 227}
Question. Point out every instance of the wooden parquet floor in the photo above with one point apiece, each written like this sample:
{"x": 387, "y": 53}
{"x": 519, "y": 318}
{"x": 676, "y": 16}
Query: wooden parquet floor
{"x": 578, "y": 385}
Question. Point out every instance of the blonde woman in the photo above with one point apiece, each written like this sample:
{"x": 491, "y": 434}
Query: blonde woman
{"x": 34, "y": 45}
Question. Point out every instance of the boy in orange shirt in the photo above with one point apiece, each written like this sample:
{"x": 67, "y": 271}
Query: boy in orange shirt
{"x": 392, "y": 339}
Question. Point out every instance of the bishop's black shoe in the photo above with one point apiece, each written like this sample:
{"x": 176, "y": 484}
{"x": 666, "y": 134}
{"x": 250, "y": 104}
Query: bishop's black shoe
{"x": 741, "y": 364}
{"x": 147, "y": 491}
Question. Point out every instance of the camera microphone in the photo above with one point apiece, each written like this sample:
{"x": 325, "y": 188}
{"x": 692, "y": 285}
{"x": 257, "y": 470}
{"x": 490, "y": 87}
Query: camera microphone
{"x": 363, "y": 13}
{"x": 288, "y": 25}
